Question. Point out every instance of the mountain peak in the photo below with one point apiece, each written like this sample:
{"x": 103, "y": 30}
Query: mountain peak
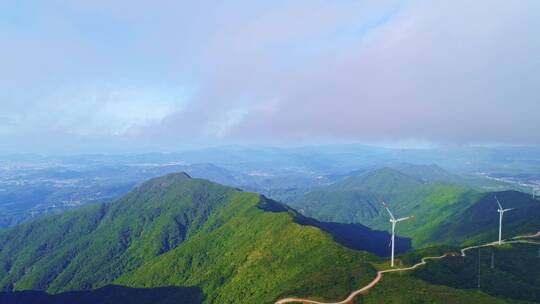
{"x": 406, "y": 165}
{"x": 428, "y": 172}
{"x": 168, "y": 180}
{"x": 380, "y": 180}
{"x": 179, "y": 175}
{"x": 385, "y": 170}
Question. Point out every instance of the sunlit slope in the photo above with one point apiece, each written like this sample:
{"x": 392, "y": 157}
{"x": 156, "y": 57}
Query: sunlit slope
{"x": 254, "y": 256}
{"x": 443, "y": 212}
{"x": 238, "y": 247}
{"x": 406, "y": 289}
{"x": 480, "y": 221}
{"x": 358, "y": 200}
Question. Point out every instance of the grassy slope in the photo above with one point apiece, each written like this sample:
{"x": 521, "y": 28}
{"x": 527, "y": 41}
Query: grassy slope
{"x": 433, "y": 205}
{"x": 181, "y": 231}
{"x": 406, "y": 289}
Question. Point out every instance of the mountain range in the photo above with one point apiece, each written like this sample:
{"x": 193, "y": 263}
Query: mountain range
{"x": 177, "y": 238}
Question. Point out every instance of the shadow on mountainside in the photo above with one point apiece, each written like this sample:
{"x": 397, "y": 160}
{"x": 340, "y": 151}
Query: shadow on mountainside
{"x": 354, "y": 236}
{"x": 110, "y": 294}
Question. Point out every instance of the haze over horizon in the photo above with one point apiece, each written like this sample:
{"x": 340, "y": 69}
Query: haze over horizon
{"x": 165, "y": 75}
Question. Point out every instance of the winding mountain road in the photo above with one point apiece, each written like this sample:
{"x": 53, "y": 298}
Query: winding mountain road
{"x": 423, "y": 261}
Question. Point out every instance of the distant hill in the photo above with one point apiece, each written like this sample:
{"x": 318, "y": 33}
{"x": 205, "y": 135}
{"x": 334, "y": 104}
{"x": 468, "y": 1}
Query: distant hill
{"x": 428, "y": 173}
{"x": 437, "y": 206}
{"x": 357, "y": 199}
{"x": 236, "y": 247}
{"x": 381, "y": 181}
{"x": 434, "y": 173}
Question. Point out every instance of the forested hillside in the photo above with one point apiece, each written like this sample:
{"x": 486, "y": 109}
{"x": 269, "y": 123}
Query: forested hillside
{"x": 236, "y": 247}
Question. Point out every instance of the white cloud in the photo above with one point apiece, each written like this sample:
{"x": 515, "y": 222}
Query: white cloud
{"x": 441, "y": 71}
{"x": 444, "y": 71}
{"x": 104, "y": 112}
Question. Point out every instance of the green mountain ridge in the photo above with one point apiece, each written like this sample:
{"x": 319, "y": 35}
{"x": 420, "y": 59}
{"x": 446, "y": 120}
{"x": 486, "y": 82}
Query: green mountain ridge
{"x": 179, "y": 231}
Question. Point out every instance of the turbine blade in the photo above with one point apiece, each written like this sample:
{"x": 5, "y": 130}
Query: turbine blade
{"x": 508, "y": 209}
{"x": 498, "y": 203}
{"x": 403, "y": 219}
{"x": 387, "y": 209}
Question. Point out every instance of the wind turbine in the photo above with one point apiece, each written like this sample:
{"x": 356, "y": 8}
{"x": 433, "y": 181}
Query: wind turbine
{"x": 394, "y": 222}
{"x": 501, "y": 212}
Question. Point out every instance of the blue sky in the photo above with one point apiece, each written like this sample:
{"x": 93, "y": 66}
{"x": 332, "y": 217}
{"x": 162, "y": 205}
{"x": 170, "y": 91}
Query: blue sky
{"x": 81, "y": 76}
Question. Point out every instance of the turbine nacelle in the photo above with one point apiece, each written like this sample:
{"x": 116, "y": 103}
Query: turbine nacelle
{"x": 501, "y": 209}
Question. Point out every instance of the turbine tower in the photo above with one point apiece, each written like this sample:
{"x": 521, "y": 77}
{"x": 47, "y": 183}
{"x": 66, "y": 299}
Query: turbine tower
{"x": 501, "y": 212}
{"x": 394, "y": 222}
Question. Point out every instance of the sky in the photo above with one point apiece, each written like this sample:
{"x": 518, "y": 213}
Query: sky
{"x": 128, "y": 75}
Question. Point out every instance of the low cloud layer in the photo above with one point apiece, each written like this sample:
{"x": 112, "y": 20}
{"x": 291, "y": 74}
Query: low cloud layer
{"x": 164, "y": 74}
